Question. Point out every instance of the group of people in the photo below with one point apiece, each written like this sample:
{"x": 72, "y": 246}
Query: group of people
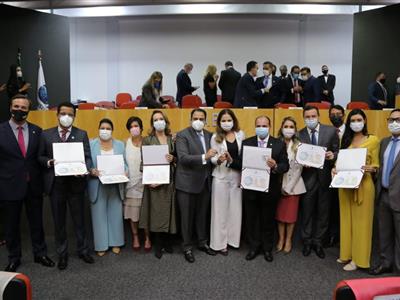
{"x": 203, "y": 200}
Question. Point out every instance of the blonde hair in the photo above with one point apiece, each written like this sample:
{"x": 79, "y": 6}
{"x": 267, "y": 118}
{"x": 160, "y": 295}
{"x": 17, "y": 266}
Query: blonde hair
{"x": 152, "y": 79}
{"x": 211, "y": 70}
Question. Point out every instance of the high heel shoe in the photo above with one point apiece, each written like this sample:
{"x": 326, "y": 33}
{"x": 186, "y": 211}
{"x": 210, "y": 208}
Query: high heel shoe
{"x": 288, "y": 248}
{"x": 101, "y": 253}
{"x": 116, "y": 250}
{"x": 137, "y": 246}
{"x": 279, "y": 247}
{"x": 147, "y": 246}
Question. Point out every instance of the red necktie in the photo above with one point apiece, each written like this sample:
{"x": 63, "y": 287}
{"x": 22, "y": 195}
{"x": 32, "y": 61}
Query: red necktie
{"x": 296, "y": 94}
{"x": 21, "y": 141}
{"x": 64, "y": 135}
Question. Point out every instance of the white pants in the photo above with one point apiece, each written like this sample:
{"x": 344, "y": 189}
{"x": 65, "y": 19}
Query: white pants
{"x": 226, "y": 214}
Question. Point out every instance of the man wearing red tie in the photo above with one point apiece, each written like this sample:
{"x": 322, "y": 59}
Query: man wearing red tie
{"x": 21, "y": 183}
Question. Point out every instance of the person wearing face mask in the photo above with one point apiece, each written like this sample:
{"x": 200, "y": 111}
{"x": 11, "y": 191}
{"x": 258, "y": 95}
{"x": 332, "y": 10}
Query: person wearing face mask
{"x": 66, "y": 190}
{"x": 248, "y": 93}
{"x": 184, "y": 84}
{"x": 397, "y": 86}
{"x": 151, "y": 92}
{"x": 21, "y": 183}
{"x": 357, "y": 205}
{"x": 16, "y": 83}
{"x": 271, "y": 83}
{"x": 283, "y": 70}
{"x": 106, "y": 199}
{"x": 210, "y": 85}
{"x": 315, "y": 208}
{"x": 387, "y": 195}
{"x": 336, "y": 116}
{"x": 193, "y": 183}
{"x": 157, "y": 213}
{"x": 327, "y": 84}
{"x": 228, "y": 82}
{"x": 311, "y": 86}
{"x": 291, "y": 87}
{"x": 260, "y": 207}
{"x": 226, "y": 195}
{"x": 134, "y": 188}
{"x": 292, "y": 187}
{"x": 377, "y": 92}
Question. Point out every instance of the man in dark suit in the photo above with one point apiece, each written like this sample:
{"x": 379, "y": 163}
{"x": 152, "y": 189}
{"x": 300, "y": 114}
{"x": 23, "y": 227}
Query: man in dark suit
{"x": 193, "y": 183}
{"x": 228, "y": 82}
{"x": 259, "y": 207}
{"x": 377, "y": 93}
{"x": 184, "y": 84}
{"x": 316, "y": 202}
{"x": 66, "y": 190}
{"x": 20, "y": 183}
{"x": 283, "y": 70}
{"x": 311, "y": 89}
{"x": 247, "y": 92}
{"x": 272, "y": 84}
{"x": 387, "y": 193}
{"x": 291, "y": 87}
{"x": 327, "y": 84}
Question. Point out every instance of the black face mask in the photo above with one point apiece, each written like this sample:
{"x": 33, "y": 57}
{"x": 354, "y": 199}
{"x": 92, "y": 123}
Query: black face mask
{"x": 383, "y": 80}
{"x": 284, "y": 74}
{"x": 336, "y": 121}
{"x": 325, "y": 72}
{"x": 19, "y": 115}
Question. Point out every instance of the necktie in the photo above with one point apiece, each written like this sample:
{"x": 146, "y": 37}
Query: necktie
{"x": 64, "y": 135}
{"x": 261, "y": 144}
{"x": 203, "y": 143}
{"x": 21, "y": 141}
{"x": 313, "y": 137}
{"x": 296, "y": 94}
{"x": 265, "y": 81}
{"x": 390, "y": 163}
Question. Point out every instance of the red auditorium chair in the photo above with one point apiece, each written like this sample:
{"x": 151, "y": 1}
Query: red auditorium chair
{"x": 128, "y": 105}
{"x": 139, "y": 97}
{"x": 86, "y": 106}
{"x": 357, "y": 104}
{"x": 191, "y": 101}
{"x": 105, "y": 104}
{"x": 18, "y": 288}
{"x": 367, "y": 289}
{"x": 223, "y": 104}
{"x": 320, "y": 105}
{"x": 122, "y": 98}
{"x": 285, "y": 105}
{"x": 168, "y": 98}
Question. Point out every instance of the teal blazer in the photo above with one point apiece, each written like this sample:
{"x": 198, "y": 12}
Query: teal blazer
{"x": 94, "y": 182}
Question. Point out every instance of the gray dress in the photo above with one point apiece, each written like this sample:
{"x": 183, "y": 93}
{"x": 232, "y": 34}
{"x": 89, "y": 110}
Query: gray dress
{"x": 157, "y": 213}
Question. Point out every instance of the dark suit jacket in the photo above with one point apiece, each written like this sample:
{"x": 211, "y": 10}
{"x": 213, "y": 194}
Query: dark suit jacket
{"x": 394, "y": 183}
{"x": 328, "y": 138}
{"x": 311, "y": 90}
{"x": 329, "y": 85}
{"x": 184, "y": 86}
{"x": 149, "y": 98}
{"x": 375, "y": 93}
{"x": 51, "y": 136}
{"x": 247, "y": 93}
{"x": 14, "y": 168}
{"x": 286, "y": 86}
{"x": 268, "y": 100}
{"x": 227, "y": 84}
{"x": 191, "y": 174}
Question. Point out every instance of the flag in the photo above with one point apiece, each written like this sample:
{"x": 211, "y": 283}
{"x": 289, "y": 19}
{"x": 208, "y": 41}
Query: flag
{"x": 42, "y": 98}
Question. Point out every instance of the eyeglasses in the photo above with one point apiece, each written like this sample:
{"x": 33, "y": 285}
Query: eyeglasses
{"x": 391, "y": 120}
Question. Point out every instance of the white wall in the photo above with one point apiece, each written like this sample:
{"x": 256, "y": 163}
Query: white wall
{"x": 111, "y": 55}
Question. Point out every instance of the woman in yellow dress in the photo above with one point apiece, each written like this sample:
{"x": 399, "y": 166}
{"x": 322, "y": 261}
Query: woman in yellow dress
{"x": 357, "y": 205}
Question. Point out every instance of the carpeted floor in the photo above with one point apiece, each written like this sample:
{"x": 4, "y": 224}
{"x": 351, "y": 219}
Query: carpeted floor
{"x": 140, "y": 275}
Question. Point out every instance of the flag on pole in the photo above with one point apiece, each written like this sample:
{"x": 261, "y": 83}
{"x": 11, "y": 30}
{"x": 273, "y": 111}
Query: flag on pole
{"x": 42, "y": 98}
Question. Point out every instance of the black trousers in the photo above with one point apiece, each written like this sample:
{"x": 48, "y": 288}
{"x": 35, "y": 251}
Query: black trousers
{"x": 194, "y": 211}
{"x": 334, "y": 217}
{"x": 69, "y": 191}
{"x": 259, "y": 210}
{"x": 34, "y": 212}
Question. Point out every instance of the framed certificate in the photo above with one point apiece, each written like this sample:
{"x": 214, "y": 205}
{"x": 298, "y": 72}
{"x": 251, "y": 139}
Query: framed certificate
{"x": 69, "y": 159}
{"x": 112, "y": 169}
{"x": 311, "y": 155}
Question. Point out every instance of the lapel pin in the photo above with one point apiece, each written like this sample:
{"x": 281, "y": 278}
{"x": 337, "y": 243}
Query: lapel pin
{"x": 34, "y": 132}
{"x": 72, "y": 137}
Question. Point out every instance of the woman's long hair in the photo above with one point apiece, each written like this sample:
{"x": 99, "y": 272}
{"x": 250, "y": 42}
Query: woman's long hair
{"x": 13, "y": 79}
{"x": 219, "y": 132}
{"x": 167, "y": 130}
{"x": 155, "y": 75}
{"x": 211, "y": 70}
{"x": 348, "y": 134}
{"x": 295, "y": 138}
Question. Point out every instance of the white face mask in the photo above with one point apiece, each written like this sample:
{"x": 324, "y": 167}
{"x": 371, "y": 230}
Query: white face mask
{"x": 288, "y": 132}
{"x": 198, "y": 125}
{"x": 66, "y": 120}
{"x": 357, "y": 126}
{"x": 304, "y": 77}
{"x": 227, "y": 126}
{"x": 105, "y": 134}
{"x": 398, "y": 80}
{"x": 159, "y": 125}
{"x": 394, "y": 127}
{"x": 267, "y": 72}
{"x": 19, "y": 73}
{"x": 311, "y": 123}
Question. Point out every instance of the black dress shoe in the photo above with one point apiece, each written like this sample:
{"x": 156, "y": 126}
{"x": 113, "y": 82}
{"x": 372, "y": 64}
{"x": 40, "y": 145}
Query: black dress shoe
{"x": 158, "y": 252}
{"x": 380, "y": 270}
{"x": 268, "y": 256}
{"x": 306, "y": 250}
{"x": 13, "y": 266}
{"x": 168, "y": 249}
{"x": 189, "y": 256}
{"x": 251, "y": 255}
{"x": 44, "y": 261}
{"x": 207, "y": 250}
{"x": 319, "y": 251}
{"x": 87, "y": 258}
{"x": 62, "y": 263}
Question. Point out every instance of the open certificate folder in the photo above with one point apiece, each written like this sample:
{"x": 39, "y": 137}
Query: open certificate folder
{"x": 69, "y": 159}
{"x": 156, "y": 168}
{"x": 255, "y": 171}
{"x": 311, "y": 155}
{"x": 111, "y": 169}
{"x": 349, "y": 168}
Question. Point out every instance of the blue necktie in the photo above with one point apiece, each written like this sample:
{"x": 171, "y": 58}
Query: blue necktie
{"x": 266, "y": 81}
{"x": 203, "y": 142}
{"x": 313, "y": 137}
{"x": 390, "y": 163}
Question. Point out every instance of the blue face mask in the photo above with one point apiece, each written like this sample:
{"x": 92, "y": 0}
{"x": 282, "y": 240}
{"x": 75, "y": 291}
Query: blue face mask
{"x": 295, "y": 76}
{"x": 262, "y": 132}
{"x": 157, "y": 85}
